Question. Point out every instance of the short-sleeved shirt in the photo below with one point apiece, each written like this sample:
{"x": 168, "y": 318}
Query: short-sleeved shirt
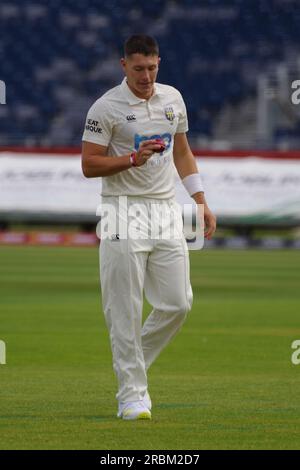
{"x": 120, "y": 121}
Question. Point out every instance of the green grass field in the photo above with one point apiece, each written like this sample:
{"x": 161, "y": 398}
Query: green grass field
{"x": 225, "y": 382}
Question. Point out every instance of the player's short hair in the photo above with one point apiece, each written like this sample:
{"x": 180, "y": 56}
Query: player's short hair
{"x": 141, "y": 44}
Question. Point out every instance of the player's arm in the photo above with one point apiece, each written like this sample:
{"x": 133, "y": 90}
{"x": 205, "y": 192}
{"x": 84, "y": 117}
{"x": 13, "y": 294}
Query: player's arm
{"x": 185, "y": 164}
{"x": 95, "y": 162}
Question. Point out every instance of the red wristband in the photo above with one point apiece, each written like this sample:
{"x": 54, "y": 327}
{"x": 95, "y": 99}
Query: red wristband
{"x": 133, "y": 159}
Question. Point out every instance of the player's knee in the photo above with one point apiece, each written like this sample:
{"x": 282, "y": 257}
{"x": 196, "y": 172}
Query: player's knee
{"x": 188, "y": 302}
{"x": 184, "y": 306}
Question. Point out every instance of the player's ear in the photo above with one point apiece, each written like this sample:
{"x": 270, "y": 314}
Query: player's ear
{"x": 123, "y": 62}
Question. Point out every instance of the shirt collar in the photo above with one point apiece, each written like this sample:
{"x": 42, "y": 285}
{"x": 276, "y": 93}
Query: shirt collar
{"x": 131, "y": 97}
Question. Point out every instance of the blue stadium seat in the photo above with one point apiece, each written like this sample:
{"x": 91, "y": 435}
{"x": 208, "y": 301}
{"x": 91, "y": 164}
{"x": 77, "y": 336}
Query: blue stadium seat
{"x": 206, "y": 48}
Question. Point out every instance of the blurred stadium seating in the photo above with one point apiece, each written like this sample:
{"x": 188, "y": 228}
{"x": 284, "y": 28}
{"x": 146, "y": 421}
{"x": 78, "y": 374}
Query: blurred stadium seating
{"x": 58, "y": 56}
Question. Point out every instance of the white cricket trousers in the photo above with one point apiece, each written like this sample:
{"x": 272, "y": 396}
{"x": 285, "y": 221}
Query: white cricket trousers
{"x": 153, "y": 265}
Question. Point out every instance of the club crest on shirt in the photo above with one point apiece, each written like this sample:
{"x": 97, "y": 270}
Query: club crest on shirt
{"x": 169, "y": 113}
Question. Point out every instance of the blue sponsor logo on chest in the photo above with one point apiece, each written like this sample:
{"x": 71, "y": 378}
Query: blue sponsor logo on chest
{"x": 166, "y": 137}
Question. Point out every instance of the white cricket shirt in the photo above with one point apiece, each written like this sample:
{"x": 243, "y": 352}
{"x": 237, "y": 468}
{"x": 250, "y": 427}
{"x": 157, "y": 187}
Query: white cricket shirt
{"x": 120, "y": 120}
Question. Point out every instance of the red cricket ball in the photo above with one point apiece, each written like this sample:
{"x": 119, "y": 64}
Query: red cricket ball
{"x": 162, "y": 147}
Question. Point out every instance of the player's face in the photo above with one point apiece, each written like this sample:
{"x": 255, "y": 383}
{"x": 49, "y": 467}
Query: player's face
{"x": 141, "y": 72}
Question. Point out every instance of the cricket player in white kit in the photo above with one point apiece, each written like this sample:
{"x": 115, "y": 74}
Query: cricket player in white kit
{"x": 134, "y": 135}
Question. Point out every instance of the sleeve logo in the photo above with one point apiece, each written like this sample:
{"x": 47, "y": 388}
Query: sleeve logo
{"x": 93, "y": 126}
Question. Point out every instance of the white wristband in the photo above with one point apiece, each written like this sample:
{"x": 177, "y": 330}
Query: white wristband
{"x": 193, "y": 183}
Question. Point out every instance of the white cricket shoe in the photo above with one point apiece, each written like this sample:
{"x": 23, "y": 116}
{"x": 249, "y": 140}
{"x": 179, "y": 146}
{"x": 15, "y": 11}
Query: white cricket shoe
{"x": 147, "y": 401}
{"x": 134, "y": 410}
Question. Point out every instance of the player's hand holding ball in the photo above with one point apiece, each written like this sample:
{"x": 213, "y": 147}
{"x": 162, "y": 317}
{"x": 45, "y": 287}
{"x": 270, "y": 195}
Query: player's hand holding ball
{"x": 146, "y": 149}
{"x": 162, "y": 145}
